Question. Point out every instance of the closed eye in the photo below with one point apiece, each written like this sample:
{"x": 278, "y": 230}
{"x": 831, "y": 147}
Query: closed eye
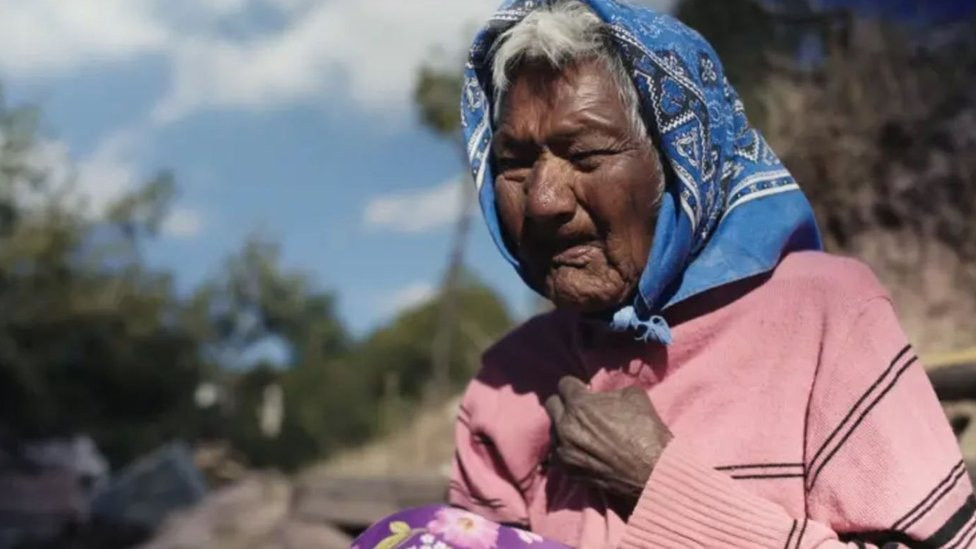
{"x": 590, "y": 159}
{"x": 583, "y": 155}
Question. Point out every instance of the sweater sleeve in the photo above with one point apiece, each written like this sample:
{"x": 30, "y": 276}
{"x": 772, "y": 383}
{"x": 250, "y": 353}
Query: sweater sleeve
{"x": 480, "y": 482}
{"x": 882, "y": 467}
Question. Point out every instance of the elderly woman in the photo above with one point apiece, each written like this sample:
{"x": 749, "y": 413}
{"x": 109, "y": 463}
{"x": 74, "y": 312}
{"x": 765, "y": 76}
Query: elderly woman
{"x": 708, "y": 377}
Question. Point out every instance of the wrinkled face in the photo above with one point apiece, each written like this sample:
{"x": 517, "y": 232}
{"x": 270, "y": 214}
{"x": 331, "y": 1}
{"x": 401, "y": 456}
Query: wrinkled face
{"x": 575, "y": 189}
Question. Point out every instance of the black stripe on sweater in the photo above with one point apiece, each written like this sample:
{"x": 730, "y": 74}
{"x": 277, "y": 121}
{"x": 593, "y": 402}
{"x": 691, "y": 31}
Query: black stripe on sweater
{"x": 932, "y": 499}
{"x": 860, "y": 419}
{"x": 763, "y": 470}
{"x": 956, "y": 522}
{"x": 877, "y": 395}
{"x": 760, "y": 466}
{"x": 790, "y": 538}
{"x": 799, "y": 538}
{"x": 966, "y": 540}
{"x": 769, "y": 475}
{"x": 858, "y": 403}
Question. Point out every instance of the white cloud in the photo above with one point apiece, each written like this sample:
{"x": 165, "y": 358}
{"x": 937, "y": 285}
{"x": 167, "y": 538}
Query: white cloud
{"x": 95, "y": 182}
{"x": 89, "y": 185}
{"x": 367, "y": 51}
{"x": 408, "y": 297}
{"x": 54, "y": 159}
{"x": 109, "y": 172}
{"x": 415, "y": 211}
{"x": 182, "y": 222}
{"x": 41, "y": 37}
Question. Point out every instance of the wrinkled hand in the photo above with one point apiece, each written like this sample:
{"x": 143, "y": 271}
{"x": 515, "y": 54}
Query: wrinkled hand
{"x": 611, "y": 440}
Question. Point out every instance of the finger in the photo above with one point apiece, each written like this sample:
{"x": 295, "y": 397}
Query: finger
{"x": 555, "y": 409}
{"x": 636, "y": 395}
{"x": 580, "y": 464}
{"x": 571, "y": 457}
{"x": 571, "y": 388}
{"x": 633, "y": 391}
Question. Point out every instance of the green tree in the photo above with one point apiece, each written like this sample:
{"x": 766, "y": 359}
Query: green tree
{"x": 398, "y": 358}
{"x": 87, "y": 337}
{"x": 337, "y": 392}
{"x": 255, "y": 303}
{"x": 256, "y": 299}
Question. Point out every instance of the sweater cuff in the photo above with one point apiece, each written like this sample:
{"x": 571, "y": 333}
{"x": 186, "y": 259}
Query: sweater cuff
{"x": 688, "y": 504}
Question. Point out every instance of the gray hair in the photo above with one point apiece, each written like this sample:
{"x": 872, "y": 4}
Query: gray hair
{"x": 561, "y": 34}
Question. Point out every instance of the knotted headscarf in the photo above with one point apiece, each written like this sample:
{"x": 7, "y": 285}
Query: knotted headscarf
{"x": 730, "y": 210}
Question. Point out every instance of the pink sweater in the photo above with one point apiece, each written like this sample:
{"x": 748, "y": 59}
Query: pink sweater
{"x": 800, "y": 413}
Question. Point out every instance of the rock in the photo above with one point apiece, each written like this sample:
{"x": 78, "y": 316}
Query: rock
{"x": 147, "y": 491}
{"x": 254, "y": 513}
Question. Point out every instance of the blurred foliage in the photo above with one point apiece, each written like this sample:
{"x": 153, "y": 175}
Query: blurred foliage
{"x": 437, "y": 96}
{"x": 93, "y": 341}
{"x": 86, "y": 337}
{"x": 337, "y": 399}
{"x": 254, "y": 299}
{"x": 254, "y": 303}
{"x": 399, "y": 354}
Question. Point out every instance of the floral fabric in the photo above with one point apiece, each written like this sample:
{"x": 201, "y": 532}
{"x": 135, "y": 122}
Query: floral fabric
{"x": 442, "y": 527}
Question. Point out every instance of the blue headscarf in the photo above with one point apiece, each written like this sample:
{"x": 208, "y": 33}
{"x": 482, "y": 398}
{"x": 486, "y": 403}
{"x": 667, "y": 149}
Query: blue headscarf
{"x": 731, "y": 210}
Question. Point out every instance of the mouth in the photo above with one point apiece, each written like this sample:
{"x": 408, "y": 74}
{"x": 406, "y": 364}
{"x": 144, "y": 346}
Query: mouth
{"x": 576, "y": 255}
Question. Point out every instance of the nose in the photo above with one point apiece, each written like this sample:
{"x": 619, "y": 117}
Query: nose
{"x": 550, "y": 199}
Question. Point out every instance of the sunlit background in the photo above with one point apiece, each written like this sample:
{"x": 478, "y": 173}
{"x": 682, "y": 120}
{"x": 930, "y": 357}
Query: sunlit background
{"x": 291, "y": 118}
{"x": 235, "y": 237}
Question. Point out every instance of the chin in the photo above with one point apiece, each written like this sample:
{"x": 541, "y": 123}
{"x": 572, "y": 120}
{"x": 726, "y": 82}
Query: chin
{"x": 594, "y": 301}
{"x": 590, "y": 291}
